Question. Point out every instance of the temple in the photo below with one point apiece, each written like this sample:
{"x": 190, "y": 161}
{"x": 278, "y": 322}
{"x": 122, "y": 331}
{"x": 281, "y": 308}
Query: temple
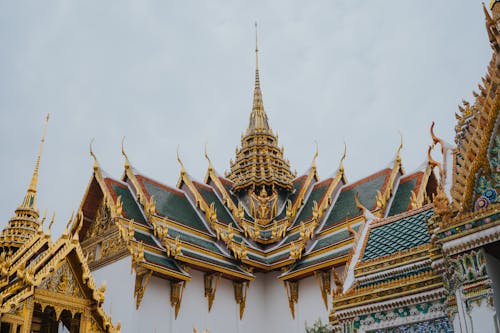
{"x": 261, "y": 248}
{"x": 46, "y": 286}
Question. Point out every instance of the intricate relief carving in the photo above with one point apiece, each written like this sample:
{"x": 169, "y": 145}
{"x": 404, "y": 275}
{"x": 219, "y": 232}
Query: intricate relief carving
{"x": 469, "y": 267}
{"x": 262, "y": 205}
{"x": 176, "y": 292}
{"x": 141, "y": 282}
{"x": 102, "y": 221}
{"x": 292, "y": 292}
{"x": 240, "y": 295}
{"x": 112, "y": 245}
{"x": 211, "y": 281}
{"x": 62, "y": 281}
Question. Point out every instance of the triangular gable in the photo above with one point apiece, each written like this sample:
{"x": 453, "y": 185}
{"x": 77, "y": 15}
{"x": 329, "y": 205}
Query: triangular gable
{"x": 55, "y": 275}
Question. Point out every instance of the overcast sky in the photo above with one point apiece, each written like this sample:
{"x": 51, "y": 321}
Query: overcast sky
{"x": 169, "y": 73}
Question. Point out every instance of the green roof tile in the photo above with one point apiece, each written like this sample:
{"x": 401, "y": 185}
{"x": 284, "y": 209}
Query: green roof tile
{"x": 333, "y": 238}
{"x": 316, "y": 195}
{"x": 143, "y": 238}
{"x": 162, "y": 261}
{"x": 345, "y": 205}
{"x": 399, "y": 235}
{"x": 309, "y": 262}
{"x": 402, "y": 199}
{"x": 129, "y": 204}
{"x": 174, "y": 206}
{"x": 204, "y": 243}
{"x": 226, "y": 264}
{"x": 210, "y": 197}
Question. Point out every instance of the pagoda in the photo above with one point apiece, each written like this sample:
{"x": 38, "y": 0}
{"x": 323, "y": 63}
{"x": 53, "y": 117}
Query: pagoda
{"x": 46, "y": 286}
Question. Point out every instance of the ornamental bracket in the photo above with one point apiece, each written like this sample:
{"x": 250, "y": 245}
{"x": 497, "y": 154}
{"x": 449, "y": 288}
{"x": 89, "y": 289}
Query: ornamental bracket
{"x": 292, "y": 292}
{"x": 211, "y": 282}
{"x": 240, "y": 295}
{"x": 324, "y": 281}
{"x": 141, "y": 282}
{"x": 176, "y": 292}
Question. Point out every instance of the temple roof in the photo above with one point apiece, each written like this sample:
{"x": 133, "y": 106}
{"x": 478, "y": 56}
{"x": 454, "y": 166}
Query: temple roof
{"x": 259, "y": 162}
{"x": 25, "y": 223}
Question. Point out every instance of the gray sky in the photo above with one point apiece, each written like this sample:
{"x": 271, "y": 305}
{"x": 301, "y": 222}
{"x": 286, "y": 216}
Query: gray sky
{"x": 169, "y": 73}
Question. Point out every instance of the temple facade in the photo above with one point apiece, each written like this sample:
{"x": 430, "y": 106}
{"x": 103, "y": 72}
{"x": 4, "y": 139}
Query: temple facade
{"x": 261, "y": 248}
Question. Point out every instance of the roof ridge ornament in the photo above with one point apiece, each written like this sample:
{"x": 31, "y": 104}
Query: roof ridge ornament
{"x": 341, "y": 163}
{"x": 210, "y": 166}
{"x": 183, "y": 169}
{"x": 91, "y": 151}
{"x": 316, "y": 154}
{"x": 127, "y": 162}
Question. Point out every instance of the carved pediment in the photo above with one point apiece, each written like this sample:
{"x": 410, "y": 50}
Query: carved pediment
{"x": 102, "y": 223}
{"x": 63, "y": 281}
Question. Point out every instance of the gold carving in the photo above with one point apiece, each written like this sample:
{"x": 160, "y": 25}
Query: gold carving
{"x": 296, "y": 249}
{"x": 176, "y": 292}
{"x": 102, "y": 221}
{"x": 211, "y": 281}
{"x": 141, "y": 282}
{"x": 263, "y": 206}
{"x": 240, "y": 295}
{"x": 292, "y": 292}
{"x": 324, "y": 281}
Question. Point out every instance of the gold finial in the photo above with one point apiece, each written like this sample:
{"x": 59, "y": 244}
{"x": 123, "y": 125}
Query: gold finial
{"x": 256, "y": 48}
{"x": 359, "y": 205}
{"x": 398, "y": 153}
{"x": 316, "y": 153}
{"x": 437, "y": 140}
{"x": 210, "y": 167}
{"x": 34, "y": 178}
{"x": 127, "y": 163}
{"x": 96, "y": 164}
{"x": 341, "y": 164}
{"x": 183, "y": 170}
{"x": 51, "y": 221}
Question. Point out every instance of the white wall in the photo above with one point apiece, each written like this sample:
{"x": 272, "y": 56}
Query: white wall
{"x": 483, "y": 318}
{"x": 266, "y": 310}
{"x": 119, "y": 302}
{"x": 493, "y": 269}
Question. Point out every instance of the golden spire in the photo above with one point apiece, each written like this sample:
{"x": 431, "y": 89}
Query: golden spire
{"x": 25, "y": 223}
{"x": 260, "y": 160}
{"x": 258, "y": 117}
{"x": 30, "y": 198}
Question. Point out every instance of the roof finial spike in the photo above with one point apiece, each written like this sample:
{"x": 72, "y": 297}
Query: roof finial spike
{"x": 258, "y": 118}
{"x": 96, "y": 164}
{"x": 127, "y": 162}
{"x": 183, "y": 170}
{"x": 316, "y": 153}
{"x": 256, "y": 47}
{"x": 34, "y": 178}
{"x": 210, "y": 167}
{"x": 398, "y": 153}
{"x": 341, "y": 164}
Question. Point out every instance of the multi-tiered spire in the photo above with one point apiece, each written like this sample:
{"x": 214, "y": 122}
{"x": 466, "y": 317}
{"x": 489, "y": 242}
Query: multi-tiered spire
{"x": 25, "y": 222}
{"x": 259, "y": 161}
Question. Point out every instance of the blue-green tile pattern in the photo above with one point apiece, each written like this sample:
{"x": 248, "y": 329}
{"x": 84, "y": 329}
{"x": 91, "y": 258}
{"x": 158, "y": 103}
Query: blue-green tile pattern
{"x": 397, "y": 236}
